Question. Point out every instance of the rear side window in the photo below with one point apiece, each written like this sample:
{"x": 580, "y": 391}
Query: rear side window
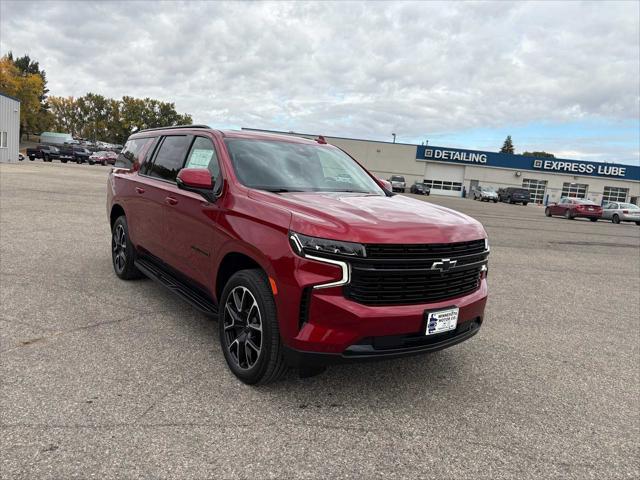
{"x": 170, "y": 158}
{"x": 130, "y": 153}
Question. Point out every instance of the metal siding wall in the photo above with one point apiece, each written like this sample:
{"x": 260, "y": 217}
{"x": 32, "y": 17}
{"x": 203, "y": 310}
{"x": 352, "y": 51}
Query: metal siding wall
{"x": 10, "y": 123}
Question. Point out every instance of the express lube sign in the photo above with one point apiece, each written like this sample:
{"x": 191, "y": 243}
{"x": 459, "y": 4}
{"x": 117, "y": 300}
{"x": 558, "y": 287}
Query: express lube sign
{"x": 584, "y": 168}
{"x": 520, "y": 162}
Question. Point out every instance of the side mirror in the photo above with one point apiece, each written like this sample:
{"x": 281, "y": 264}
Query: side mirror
{"x": 385, "y": 184}
{"x": 197, "y": 180}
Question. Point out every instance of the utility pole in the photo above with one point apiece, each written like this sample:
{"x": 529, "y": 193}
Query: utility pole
{"x": 394, "y": 137}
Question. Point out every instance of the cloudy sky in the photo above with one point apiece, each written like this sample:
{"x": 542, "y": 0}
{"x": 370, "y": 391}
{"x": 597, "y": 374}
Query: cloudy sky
{"x": 561, "y": 77}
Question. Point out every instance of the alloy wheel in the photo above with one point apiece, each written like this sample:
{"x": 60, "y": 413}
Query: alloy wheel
{"x": 119, "y": 245}
{"x": 243, "y": 327}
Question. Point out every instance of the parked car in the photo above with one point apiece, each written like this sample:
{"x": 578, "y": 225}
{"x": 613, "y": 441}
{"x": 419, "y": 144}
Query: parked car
{"x": 420, "y": 188}
{"x": 621, "y": 212}
{"x": 76, "y": 153}
{"x": 514, "y": 195}
{"x": 485, "y": 194}
{"x": 103, "y": 158}
{"x": 295, "y": 265}
{"x": 572, "y": 208}
{"x": 398, "y": 183}
{"x": 47, "y": 153}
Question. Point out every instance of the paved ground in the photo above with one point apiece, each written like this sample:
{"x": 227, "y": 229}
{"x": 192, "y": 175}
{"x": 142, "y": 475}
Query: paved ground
{"x": 103, "y": 378}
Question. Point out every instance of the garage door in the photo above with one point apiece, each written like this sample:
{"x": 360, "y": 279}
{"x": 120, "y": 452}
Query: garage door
{"x": 444, "y": 179}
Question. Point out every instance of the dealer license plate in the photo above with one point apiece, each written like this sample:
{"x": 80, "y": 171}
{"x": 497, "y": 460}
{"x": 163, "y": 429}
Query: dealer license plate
{"x": 441, "y": 321}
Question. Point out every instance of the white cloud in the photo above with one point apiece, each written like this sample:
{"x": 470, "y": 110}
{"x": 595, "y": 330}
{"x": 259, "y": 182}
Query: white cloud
{"x": 353, "y": 69}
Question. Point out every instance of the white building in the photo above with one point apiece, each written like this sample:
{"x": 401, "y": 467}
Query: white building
{"x": 9, "y": 128}
{"x": 449, "y": 171}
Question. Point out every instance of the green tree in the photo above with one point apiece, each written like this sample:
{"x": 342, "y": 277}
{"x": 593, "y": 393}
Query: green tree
{"x": 27, "y": 66}
{"x": 507, "y": 146}
{"x": 27, "y": 88}
{"x": 538, "y": 154}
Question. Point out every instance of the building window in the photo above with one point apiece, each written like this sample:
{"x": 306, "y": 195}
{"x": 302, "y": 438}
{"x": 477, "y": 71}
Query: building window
{"x": 443, "y": 185}
{"x": 3, "y": 140}
{"x": 615, "y": 194}
{"x": 574, "y": 190}
{"x": 536, "y": 188}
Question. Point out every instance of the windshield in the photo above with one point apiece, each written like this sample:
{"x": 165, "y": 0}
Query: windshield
{"x": 293, "y": 167}
{"x": 487, "y": 189}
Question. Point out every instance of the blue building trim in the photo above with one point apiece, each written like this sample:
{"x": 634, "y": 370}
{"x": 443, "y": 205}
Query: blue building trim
{"x": 479, "y": 158}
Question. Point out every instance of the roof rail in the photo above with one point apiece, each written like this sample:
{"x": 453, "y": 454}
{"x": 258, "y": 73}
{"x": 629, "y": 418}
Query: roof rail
{"x": 176, "y": 127}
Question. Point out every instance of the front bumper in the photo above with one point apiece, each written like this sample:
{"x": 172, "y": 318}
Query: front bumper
{"x": 385, "y": 347}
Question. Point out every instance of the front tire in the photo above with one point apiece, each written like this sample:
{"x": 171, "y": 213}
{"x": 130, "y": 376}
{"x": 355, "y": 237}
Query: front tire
{"x": 567, "y": 215}
{"x": 123, "y": 253}
{"x": 593, "y": 219}
{"x": 249, "y": 330}
{"x": 616, "y": 219}
{"x": 547, "y": 212}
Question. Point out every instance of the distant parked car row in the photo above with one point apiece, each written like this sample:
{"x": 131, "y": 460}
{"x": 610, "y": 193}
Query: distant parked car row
{"x": 399, "y": 184}
{"x": 71, "y": 153}
{"x": 571, "y": 208}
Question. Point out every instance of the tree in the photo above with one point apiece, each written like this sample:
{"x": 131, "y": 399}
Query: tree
{"x": 27, "y": 87}
{"x": 27, "y": 67}
{"x": 507, "y": 146}
{"x": 538, "y": 154}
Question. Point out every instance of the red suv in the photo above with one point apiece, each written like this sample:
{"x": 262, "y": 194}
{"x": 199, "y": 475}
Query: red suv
{"x": 302, "y": 254}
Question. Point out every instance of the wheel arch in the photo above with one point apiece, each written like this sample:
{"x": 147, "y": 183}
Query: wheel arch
{"x": 116, "y": 211}
{"x": 231, "y": 263}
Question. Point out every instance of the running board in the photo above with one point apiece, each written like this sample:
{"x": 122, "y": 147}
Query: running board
{"x": 177, "y": 286}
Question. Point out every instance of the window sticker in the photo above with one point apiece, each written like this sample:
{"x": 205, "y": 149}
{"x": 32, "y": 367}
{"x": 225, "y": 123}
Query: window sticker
{"x": 199, "y": 158}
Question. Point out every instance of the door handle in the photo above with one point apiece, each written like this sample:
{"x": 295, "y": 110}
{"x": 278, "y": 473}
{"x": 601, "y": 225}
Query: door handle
{"x": 171, "y": 201}
{"x": 140, "y": 190}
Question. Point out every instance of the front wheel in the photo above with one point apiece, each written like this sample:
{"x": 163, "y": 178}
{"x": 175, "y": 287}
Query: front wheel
{"x": 615, "y": 219}
{"x": 525, "y": 203}
{"x": 593, "y": 219}
{"x": 123, "y": 254}
{"x": 567, "y": 215}
{"x": 547, "y": 212}
{"x": 248, "y": 329}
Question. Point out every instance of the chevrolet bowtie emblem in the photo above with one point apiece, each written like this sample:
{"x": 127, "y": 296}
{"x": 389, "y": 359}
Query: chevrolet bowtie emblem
{"x": 444, "y": 265}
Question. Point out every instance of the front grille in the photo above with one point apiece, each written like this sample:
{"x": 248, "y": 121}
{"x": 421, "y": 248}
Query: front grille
{"x": 402, "y": 275}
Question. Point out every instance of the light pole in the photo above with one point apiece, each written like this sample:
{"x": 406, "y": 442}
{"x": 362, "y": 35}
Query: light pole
{"x": 394, "y": 137}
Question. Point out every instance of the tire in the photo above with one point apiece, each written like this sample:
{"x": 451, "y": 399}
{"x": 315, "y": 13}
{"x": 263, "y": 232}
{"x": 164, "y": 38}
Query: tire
{"x": 495, "y": 201}
{"x": 593, "y": 219}
{"x": 547, "y": 212}
{"x": 524, "y": 204}
{"x": 567, "y": 214}
{"x": 123, "y": 253}
{"x": 638, "y": 223}
{"x": 246, "y": 293}
{"x": 616, "y": 219}
{"x": 45, "y": 158}
{"x": 64, "y": 161}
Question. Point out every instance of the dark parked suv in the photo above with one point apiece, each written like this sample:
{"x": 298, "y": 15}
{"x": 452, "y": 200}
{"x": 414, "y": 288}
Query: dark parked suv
{"x": 301, "y": 254}
{"x": 514, "y": 195}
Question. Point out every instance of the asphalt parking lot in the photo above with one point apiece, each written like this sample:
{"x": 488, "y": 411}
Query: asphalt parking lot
{"x": 104, "y": 378}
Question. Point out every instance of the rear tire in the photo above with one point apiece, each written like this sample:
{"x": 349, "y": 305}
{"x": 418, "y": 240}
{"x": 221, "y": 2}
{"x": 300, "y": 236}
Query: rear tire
{"x": 638, "y": 223}
{"x": 616, "y": 219}
{"x": 567, "y": 214}
{"x": 593, "y": 219}
{"x": 524, "y": 204}
{"x": 249, "y": 330}
{"x": 123, "y": 254}
{"x": 547, "y": 212}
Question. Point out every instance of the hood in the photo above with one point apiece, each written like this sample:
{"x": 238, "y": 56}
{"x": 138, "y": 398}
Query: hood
{"x": 374, "y": 219}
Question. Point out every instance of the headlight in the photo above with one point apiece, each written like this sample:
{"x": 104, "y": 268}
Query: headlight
{"x": 317, "y": 246}
{"x": 486, "y": 244}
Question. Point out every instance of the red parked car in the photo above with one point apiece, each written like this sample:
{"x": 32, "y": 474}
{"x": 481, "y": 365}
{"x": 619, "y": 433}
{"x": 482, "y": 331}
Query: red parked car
{"x": 104, "y": 158}
{"x": 572, "y": 208}
{"x": 296, "y": 248}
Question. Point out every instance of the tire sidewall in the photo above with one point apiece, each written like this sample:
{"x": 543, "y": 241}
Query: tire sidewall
{"x": 256, "y": 282}
{"x": 129, "y": 271}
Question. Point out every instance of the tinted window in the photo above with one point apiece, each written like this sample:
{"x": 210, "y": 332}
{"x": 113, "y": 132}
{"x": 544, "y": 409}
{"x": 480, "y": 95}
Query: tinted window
{"x": 203, "y": 155}
{"x": 170, "y": 158}
{"x": 131, "y": 152}
{"x": 397, "y": 178}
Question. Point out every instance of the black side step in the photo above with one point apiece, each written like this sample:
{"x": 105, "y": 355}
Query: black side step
{"x": 177, "y": 286}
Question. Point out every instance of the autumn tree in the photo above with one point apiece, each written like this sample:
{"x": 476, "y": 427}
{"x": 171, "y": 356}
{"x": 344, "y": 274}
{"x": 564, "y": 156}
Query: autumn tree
{"x": 26, "y": 87}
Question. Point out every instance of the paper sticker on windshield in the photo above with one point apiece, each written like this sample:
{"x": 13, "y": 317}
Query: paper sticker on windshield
{"x": 199, "y": 158}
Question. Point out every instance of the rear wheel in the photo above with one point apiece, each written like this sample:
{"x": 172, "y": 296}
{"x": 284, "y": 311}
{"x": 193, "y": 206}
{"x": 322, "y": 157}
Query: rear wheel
{"x": 248, "y": 328}
{"x": 525, "y": 203}
{"x": 567, "y": 214}
{"x": 593, "y": 219}
{"x": 615, "y": 219}
{"x": 123, "y": 254}
{"x": 547, "y": 212}
{"x": 638, "y": 223}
